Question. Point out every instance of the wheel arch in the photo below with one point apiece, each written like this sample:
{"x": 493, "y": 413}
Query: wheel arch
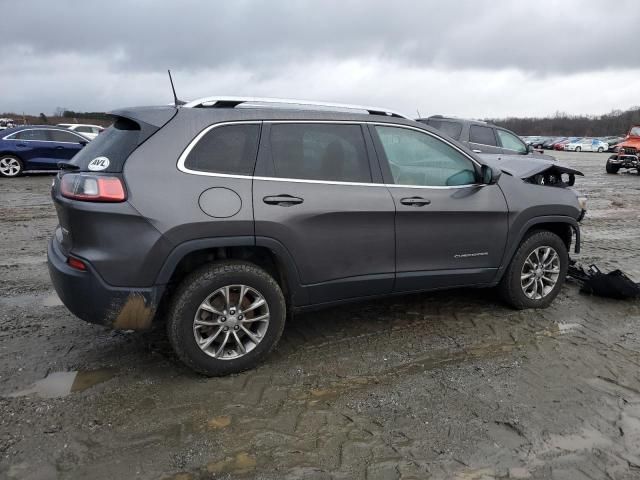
{"x": 266, "y": 253}
{"x": 13, "y": 154}
{"x": 565, "y": 227}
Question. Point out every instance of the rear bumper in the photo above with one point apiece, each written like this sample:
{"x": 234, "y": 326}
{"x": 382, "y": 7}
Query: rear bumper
{"x": 89, "y": 298}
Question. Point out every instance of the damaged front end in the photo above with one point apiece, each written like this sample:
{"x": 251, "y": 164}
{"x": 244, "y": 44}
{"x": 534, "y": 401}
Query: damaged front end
{"x": 537, "y": 171}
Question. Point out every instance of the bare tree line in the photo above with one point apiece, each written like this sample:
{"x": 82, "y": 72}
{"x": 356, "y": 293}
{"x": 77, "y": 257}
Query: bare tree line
{"x": 616, "y": 122}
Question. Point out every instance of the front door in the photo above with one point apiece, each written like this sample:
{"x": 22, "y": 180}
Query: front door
{"x": 314, "y": 193}
{"x": 450, "y": 230}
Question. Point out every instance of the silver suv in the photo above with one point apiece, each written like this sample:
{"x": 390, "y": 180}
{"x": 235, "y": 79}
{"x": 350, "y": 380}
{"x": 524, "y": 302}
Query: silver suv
{"x": 224, "y": 215}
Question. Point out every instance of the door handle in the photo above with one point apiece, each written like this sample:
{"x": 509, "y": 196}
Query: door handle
{"x": 282, "y": 200}
{"x": 415, "y": 201}
{"x": 477, "y": 151}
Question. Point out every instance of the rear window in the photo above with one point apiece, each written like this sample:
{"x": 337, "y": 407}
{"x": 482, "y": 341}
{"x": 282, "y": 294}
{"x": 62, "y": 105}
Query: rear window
{"x": 482, "y": 135}
{"x": 227, "y": 149}
{"x": 453, "y": 129}
{"x": 116, "y": 143}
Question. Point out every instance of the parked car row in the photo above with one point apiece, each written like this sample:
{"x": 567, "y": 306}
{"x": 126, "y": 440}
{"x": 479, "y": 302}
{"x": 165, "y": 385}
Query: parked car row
{"x": 577, "y": 144}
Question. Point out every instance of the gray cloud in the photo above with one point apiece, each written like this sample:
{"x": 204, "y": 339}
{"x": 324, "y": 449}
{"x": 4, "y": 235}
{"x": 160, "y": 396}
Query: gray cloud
{"x": 543, "y": 36}
{"x": 96, "y": 54}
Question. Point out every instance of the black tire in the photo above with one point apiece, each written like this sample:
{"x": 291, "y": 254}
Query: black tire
{"x": 200, "y": 284}
{"x": 611, "y": 168}
{"x": 600, "y": 150}
{"x": 6, "y": 164}
{"x": 578, "y": 149}
{"x": 510, "y": 286}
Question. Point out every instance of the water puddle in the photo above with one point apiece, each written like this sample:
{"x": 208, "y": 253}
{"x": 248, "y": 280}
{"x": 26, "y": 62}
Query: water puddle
{"x": 61, "y": 384}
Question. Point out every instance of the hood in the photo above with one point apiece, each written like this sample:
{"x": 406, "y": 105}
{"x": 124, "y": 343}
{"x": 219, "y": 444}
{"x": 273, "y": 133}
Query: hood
{"x": 526, "y": 166}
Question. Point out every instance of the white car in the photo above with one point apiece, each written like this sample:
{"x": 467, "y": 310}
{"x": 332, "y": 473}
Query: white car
{"x": 89, "y": 131}
{"x": 587, "y": 145}
{"x": 6, "y": 123}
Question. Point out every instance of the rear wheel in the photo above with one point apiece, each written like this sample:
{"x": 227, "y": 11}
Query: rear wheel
{"x": 612, "y": 168}
{"x": 536, "y": 272}
{"x": 10, "y": 166}
{"x": 226, "y": 317}
{"x": 600, "y": 149}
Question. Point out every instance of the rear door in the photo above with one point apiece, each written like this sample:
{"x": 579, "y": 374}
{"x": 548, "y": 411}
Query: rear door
{"x": 316, "y": 193}
{"x": 450, "y": 230}
{"x": 482, "y": 139}
{"x": 64, "y": 145}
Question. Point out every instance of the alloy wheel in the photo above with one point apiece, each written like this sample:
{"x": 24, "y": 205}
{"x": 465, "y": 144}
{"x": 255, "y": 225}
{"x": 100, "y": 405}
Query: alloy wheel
{"x": 10, "y": 166}
{"x": 231, "y": 322}
{"x": 540, "y": 272}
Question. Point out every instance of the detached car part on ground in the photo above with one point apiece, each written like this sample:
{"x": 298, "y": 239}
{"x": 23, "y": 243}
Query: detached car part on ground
{"x": 224, "y": 215}
{"x": 628, "y": 154}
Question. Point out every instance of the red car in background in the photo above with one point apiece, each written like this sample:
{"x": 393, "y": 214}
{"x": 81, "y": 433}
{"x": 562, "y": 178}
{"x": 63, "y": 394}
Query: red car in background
{"x": 560, "y": 145}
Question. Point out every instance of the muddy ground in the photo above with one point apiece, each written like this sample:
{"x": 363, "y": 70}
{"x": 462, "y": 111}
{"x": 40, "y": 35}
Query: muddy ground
{"x": 443, "y": 385}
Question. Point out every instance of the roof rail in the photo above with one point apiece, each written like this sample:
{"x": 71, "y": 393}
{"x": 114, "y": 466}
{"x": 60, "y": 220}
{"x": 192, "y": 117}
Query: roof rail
{"x": 232, "y": 102}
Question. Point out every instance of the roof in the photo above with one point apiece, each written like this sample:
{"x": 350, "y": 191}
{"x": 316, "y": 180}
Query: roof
{"x": 286, "y": 103}
{"x": 455, "y": 119}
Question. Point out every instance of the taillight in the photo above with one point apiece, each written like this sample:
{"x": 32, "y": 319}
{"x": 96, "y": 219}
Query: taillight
{"x": 92, "y": 188}
{"x": 76, "y": 263}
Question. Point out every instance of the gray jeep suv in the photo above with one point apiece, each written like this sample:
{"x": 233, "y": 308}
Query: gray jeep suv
{"x": 481, "y": 137}
{"x": 225, "y": 214}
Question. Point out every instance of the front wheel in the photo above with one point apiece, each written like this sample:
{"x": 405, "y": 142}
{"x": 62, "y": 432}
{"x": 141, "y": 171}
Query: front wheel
{"x": 578, "y": 149}
{"x": 226, "y": 317}
{"x": 536, "y": 272}
{"x": 600, "y": 149}
{"x": 612, "y": 168}
{"x": 10, "y": 166}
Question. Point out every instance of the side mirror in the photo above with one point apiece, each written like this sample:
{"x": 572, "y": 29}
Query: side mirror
{"x": 83, "y": 142}
{"x": 489, "y": 175}
{"x": 530, "y": 149}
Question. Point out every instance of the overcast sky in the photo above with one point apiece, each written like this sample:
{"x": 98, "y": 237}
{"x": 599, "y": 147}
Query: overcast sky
{"x": 473, "y": 58}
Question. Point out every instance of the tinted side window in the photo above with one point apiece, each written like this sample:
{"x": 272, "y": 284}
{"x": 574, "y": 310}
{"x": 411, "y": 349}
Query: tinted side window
{"x": 453, "y": 129}
{"x": 84, "y": 129}
{"x": 511, "y": 142}
{"x": 416, "y": 158}
{"x": 31, "y": 135}
{"x": 320, "y": 152}
{"x": 60, "y": 136}
{"x": 227, "y": 149}
{"x": 482, "y": 135}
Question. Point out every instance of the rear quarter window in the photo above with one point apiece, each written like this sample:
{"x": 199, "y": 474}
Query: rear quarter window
{"x": 229, "y": 149}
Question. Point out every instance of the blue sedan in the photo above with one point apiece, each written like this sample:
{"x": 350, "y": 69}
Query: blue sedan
{"x": 36, "y": 148}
